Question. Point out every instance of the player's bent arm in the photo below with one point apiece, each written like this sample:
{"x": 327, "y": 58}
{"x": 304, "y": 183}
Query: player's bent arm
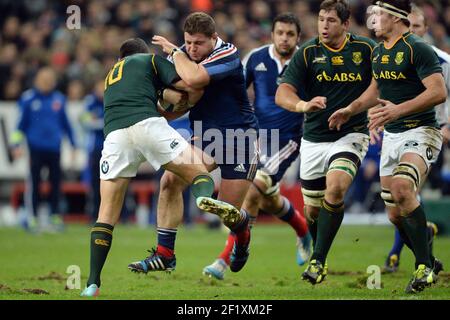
{"x": 366, "y": 100}
{"x": 434, "y": 94}
{"x": 287, "y": 98}
{"x": 195, "y": 75}
{"x": 194, "y": 94}
{"x": 175, "y": 97}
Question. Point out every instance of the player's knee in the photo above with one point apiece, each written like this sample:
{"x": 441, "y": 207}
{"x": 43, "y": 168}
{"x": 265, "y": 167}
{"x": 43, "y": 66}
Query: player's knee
{"x": 402, "y": 190}
{"x": 172, "y": 183}
{"x": 252, "y": 198}
{"x": 264, "y": 183}
{"x": 335, "y": 191}
{"x": 272, "y": 203}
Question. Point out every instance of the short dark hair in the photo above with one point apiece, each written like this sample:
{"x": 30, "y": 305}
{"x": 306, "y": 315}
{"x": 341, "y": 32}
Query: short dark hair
{"x": 133, "y": 46}
{"x": 200, "y": 22}
{"x": 404, "y": 5}
{"x": 287, "y": 17}
{"x": 341, "y": 6}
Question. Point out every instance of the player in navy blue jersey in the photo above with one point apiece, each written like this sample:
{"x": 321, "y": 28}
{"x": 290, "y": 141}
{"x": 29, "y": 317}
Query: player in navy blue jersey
{"x": 280, "y": 142}
{"x": 43, "y": 124}
{"x": 224, "y": 126}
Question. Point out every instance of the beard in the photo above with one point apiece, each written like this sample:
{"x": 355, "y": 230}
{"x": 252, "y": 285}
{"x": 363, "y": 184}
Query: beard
{"x": 285, "y": 53}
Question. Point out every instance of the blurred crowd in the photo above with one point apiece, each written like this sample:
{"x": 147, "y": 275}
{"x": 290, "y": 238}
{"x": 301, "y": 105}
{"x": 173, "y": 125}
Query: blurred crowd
{"x": 33, "y": 33}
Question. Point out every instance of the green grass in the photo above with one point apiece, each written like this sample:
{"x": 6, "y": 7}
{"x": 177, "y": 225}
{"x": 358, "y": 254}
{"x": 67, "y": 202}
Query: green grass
{"x": 271, "y": 272}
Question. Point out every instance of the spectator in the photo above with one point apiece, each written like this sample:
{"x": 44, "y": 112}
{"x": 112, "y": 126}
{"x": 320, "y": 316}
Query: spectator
{"x": 43, "y": 123}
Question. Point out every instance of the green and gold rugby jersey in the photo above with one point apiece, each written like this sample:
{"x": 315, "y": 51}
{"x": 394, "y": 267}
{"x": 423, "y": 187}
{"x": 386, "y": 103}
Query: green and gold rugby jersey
{"x": 399, "y": 72}
{"x": 131, "y": 89}
{"x": 341, "y": 75}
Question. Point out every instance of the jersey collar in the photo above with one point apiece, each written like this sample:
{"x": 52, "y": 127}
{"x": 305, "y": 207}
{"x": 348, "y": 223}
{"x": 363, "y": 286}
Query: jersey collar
{"x": 219, "y": 43}
{"x": 277, "y": 61}
{"x": 347, "y": 38}
{"x": 397, "y": 40}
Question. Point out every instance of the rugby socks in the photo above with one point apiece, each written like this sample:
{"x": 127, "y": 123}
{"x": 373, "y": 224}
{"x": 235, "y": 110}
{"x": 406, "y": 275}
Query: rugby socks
{"x": 101, "y": 240}
{"x": 225, "y": 255}
{"x": 404, "y": 237}
{"x": 430, "y": 238}
{"x": 241, "y": 229}
{"x": 288, "y": 214}
{"x": 405, "y": 240}
{"x": 166, "y": 242}
{"x": 312, "y": 227}
{"x": 202, "y": 186}
{"x": 398, "y": 244}
{"x": 415, "y": 225}
{"x": 330, "y": 219}
{"x": 242, "y": 224}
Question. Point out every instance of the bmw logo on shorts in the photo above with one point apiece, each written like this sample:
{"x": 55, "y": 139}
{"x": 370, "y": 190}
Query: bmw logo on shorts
{"x": 429, "y": 153}
{"x": 105, "y": 167}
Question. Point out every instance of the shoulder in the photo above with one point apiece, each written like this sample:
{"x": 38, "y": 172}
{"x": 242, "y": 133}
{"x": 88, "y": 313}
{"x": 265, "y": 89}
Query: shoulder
{"x": 27, "y": 95}
{"x": 223, "y": 51}
{"x": 363, "y": 41}
{"x": 306, "y": 49}
{"x": 259, "y": 52}
{"x": 419, "y": 48}
{"x": 416, "y": 42}
{"x": 58, "y": 95}
{"x": 89, "y": 100}
{"x": 256, "y": 54}
{"x": 308, "y": 45}
{"x": 141, "y": 58}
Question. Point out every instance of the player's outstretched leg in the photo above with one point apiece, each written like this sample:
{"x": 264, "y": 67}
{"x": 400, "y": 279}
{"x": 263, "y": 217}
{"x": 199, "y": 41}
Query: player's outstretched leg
{"x": 101, "y": 240}
{"x": 237, "y": 221}
{"x": 218, "y": 268}
{"x": 330, "y": 219}
{"x": 163, "y": 257}
{"x": 241, "y": 248}
{"x": 288, "y": 214}
{"x": 112, "y": 195}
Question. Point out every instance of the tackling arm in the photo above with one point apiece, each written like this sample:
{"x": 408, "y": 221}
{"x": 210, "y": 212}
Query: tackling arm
{"x": 195, "y": 75}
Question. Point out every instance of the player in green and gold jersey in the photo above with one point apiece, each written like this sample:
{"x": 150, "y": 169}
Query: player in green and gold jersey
{"x": 329, "y": 72}
{"x": 408, "y": 78}
{"x": 136, "y": 132}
